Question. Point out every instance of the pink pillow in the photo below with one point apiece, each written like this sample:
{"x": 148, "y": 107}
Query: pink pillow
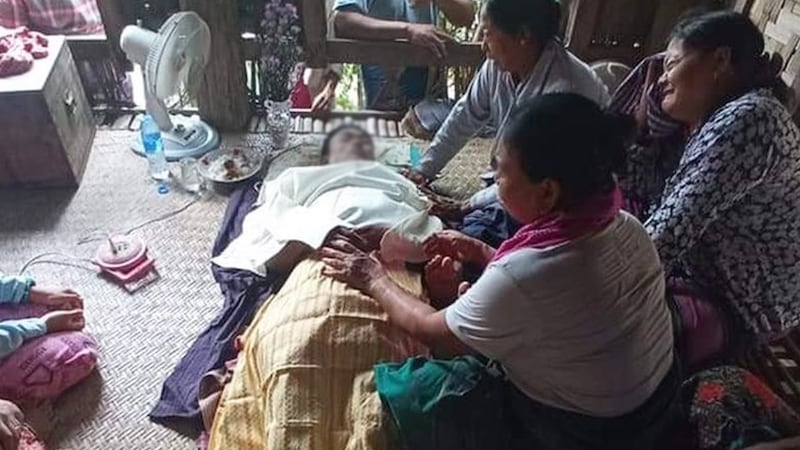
{"x": 45, "y": 367}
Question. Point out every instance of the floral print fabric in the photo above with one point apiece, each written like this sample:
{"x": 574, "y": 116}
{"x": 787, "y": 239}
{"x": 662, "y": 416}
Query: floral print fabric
{"x": 729, "y": 217}
{"x": 731, "y": 409}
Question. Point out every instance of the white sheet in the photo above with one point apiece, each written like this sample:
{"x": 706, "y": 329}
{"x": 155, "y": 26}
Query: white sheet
{"x": 304, "y": 204}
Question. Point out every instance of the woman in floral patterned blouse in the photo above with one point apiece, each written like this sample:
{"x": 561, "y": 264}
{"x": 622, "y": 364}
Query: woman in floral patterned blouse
{"x": 729, "y": 216}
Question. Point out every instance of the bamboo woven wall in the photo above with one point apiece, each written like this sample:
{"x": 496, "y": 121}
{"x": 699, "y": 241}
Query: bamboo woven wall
{"x": 780, "y": 22}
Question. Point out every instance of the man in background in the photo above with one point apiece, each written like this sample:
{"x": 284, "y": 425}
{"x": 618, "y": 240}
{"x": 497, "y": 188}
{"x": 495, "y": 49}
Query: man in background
{"x": 316, "y": 88}
{"x": 397, "y": 88}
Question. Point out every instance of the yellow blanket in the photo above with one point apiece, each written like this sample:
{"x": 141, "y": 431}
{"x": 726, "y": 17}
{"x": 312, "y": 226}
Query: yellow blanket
{"x": 304, "y": 379}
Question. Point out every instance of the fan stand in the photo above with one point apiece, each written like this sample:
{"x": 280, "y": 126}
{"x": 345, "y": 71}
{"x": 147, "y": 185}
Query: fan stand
{"x": 189, "y": 137}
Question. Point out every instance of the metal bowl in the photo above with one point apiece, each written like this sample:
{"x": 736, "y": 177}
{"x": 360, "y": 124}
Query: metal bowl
{"x": 248, "y": 162}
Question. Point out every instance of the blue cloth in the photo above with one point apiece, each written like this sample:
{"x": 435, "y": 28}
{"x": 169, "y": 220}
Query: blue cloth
{"x": 13, "y": 333}
{"x": 15, "y": 289}
{"x": 490, "y": 224}
{"x": 244, "y": 293}
{"x": 413, "y": 82}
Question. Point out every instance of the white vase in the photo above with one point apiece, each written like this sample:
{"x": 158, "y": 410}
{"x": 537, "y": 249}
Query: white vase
{"x": 279, "y": 123}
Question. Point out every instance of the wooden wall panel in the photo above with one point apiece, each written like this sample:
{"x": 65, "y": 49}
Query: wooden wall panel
{"x": 314, "y": 16}
{"x": 612, "y": 29}
{"x": 111, "y": 12}
{"x": 665, "y": 19}
{"x": 625, "y": 30}
{"x": 780, "y": 22}
{"x": 222, "y": 98}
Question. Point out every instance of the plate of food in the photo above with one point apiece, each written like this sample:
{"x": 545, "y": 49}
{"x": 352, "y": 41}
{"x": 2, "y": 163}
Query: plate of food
{"x": 230, "y": 165}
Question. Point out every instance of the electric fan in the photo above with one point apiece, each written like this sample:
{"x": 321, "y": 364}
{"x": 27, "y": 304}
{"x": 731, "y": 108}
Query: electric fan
{"x": 176, "y": 55}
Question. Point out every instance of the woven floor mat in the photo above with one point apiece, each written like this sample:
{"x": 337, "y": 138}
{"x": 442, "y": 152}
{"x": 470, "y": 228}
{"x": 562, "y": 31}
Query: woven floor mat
{"x": 142, "y": 335}
{"x": 460, "y": 178}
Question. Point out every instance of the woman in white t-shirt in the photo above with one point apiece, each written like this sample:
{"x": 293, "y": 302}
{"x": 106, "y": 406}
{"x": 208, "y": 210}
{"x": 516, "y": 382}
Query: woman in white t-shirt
{"x": 572, "y": 307}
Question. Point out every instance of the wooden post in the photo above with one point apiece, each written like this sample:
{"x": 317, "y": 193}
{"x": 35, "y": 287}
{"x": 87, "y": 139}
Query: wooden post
{"x": 568, "y": 9}
{"x": 666, "y": 18}
{"x": 742, "y": 6}
{"x": 581, "y": 25}
{"x": 315, "y": 32}
{"x": 222, "y": 98}
{"x": 114, "y": 21}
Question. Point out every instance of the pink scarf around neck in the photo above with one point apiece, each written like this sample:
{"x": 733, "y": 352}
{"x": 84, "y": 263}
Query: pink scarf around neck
{"x": 590, "y": 216}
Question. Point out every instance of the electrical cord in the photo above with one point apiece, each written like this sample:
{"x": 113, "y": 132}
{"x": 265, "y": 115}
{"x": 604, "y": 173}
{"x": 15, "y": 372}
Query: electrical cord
{"x": 105, "y": 235}
{"x": 39, "y": 259}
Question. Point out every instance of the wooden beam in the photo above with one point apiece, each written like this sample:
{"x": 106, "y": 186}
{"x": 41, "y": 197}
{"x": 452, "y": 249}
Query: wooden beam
{"x": 222, "y": 97}
{"x": 392, "y": 53}
{"x": 315, "y": 32}
{"x": 582, "y": 27}
{"x": 114, "y": 21}
{"x": 340, "y": 50}
{"x": 95, "y": 46}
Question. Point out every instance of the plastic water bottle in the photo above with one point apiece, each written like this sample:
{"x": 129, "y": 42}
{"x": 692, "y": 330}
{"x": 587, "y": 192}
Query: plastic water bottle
{"x": 154, "y": 149}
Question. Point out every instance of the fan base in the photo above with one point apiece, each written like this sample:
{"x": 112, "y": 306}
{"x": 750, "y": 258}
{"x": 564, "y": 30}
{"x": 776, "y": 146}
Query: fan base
{"x": 189, "y": 137}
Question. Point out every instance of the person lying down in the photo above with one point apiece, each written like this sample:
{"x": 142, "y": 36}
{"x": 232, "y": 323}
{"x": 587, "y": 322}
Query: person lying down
{"x": 298, "y": 210}
{"x": 304, "y": 376}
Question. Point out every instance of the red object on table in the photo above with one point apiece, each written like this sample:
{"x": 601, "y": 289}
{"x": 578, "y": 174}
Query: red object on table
{"x": 18, "y": 49}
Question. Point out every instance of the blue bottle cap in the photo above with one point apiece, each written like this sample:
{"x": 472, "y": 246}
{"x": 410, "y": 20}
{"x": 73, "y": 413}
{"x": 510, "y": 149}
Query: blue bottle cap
{"x": 162, "y": 188}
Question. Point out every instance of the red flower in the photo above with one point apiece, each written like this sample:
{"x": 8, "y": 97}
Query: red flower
{"x": 709, "y": 392}
{"x": 760, "y": 390}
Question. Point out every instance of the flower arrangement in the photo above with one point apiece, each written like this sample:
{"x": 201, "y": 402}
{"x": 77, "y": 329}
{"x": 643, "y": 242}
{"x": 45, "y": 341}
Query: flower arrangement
{"x": 279, "y": 36}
